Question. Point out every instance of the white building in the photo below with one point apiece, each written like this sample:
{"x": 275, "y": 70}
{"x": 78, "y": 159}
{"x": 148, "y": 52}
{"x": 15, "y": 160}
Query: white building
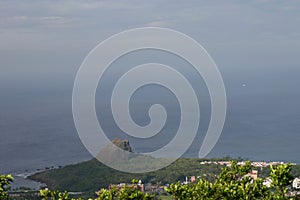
{"x": 296, "y": 183}
{"x": 267, "y": 182}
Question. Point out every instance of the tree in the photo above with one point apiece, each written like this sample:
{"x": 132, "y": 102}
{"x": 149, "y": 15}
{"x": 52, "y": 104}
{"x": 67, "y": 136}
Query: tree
{"x": 5, "y": 181}
{"x": 281, "y": 179}
{"x": 124, "y": 193}
{"x": 55, "y": 195}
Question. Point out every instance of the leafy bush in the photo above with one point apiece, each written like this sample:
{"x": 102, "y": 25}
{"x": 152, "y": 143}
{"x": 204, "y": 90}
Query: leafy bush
{"x": 125, "y": 193}
{"x": 54, "y": 195}
{"x": 5, "y": 181}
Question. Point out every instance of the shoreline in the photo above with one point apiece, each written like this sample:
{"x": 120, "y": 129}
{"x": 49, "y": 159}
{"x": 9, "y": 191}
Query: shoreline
{"x": 24, "y": 178}
{"x": 26, "y": 174}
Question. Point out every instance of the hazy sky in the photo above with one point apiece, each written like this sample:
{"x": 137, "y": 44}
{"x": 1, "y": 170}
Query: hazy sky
{"x": 41, "y": 37}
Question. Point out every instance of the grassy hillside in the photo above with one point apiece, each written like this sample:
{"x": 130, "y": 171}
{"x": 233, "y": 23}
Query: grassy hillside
{"x": 91, "y": 175}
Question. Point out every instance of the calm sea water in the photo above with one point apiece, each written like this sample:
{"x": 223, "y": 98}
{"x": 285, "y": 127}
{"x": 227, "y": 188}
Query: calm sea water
{"x": 263, "y": 120}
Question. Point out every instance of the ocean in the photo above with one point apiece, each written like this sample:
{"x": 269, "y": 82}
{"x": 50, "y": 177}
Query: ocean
{"x": 263, "y": 120}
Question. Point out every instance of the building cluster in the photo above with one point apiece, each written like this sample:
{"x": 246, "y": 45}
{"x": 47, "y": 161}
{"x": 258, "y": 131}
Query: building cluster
{"x": 138, "y": 186}
{"x": 260, "y": 164}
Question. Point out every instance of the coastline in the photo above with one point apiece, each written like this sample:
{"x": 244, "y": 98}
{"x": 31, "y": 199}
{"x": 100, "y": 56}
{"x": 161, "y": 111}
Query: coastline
{"x": 34, "y": 181}
{"x": 23, "y": 181}
{"x": 27, "y": 179}
{"x": 94, "y": 175}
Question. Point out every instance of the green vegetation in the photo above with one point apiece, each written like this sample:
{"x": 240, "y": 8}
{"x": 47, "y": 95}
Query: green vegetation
{"x": 91, "y": 175}
{"x": 281, "y": 178}
{"x": 54, "y": 195}
{"x": 125, "y": 193}
{"x": 232, "y": 183}
{"x": 5, "y": 181}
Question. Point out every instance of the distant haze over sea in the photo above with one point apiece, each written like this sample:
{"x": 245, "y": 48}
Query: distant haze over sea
{"x": 263, "y": 119}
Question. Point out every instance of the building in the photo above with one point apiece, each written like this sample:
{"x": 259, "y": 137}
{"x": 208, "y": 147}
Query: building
{"x": 268, "y": 182}
{"x": 296, "y": 183}
{"x": 189, "y": 180}
{"x": 253, "y": 174}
